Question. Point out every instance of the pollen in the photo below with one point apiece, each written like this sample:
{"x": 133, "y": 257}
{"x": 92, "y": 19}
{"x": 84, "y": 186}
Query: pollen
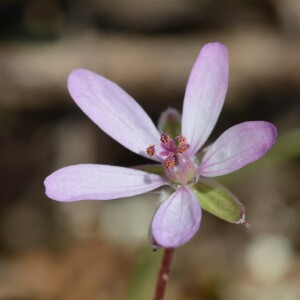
{"x": 165, "y": 138}
{"x": 182, "y": 148}
{"x": 181, "y": 139}
{"x": 170, "y": 161}
{"x": 151, "y": 150}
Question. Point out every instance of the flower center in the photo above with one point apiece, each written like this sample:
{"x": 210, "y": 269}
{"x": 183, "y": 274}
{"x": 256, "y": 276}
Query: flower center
{"x": 170, "y": 150}
{"x": 177, "y": 164}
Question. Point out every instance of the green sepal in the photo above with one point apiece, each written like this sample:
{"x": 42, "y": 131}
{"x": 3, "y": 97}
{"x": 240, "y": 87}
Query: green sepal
{"x": 219, "y": 201}
{"x": 170, "y": 122}
{"x": 151, "y": 168}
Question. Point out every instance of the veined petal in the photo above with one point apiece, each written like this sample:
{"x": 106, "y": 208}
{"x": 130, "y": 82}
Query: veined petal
{"x": 205, "y": 94}
{"x": 99, "y": 182}
{"x": 113, "y": 110}
{"x": 237, "y": 147}
{"x": 177, "y": 219}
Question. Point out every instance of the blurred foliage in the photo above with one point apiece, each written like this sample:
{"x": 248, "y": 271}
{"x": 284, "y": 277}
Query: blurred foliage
{"x": 143, "y": 279}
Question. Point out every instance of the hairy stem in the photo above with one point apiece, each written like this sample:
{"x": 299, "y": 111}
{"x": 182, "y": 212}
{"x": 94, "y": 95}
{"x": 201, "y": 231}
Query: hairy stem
{"x": 163, "y": 275}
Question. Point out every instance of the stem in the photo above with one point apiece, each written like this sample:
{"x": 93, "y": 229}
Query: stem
{"x": 163, "y": 275}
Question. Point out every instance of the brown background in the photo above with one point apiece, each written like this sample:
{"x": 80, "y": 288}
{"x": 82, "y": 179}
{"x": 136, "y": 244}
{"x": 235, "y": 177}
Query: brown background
{"x": 98, "y": 250}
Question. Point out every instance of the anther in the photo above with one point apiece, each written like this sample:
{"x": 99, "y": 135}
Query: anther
{"x": 180, "y": 139}
{"x": 182, "y": 148}
{"x": 165, "y": 138}
{"x": 170, "y": 161}
{"x": 151, "y": 150}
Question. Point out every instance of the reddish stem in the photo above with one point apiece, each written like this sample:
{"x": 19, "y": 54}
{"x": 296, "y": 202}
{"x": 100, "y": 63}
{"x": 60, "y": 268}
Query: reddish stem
{"x": 163, "y": 275}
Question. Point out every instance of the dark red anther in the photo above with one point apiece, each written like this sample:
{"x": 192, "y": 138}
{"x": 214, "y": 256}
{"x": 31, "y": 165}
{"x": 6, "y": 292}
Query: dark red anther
{"x": 165, "y": 138}
{"x": 182, "y": 148}
{"x": 181, "y": 139}
{"x": 170, "y": 161}
{"x": 151, "y": 150}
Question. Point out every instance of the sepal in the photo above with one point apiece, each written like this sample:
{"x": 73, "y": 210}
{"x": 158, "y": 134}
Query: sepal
{"x": 151, "y": 168}
{"x": 170, "y": 122}
{"x": 219, "y": 201}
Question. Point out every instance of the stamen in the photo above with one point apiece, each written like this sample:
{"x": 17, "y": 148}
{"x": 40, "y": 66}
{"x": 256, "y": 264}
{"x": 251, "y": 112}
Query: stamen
{"x": 164, "y": 153}
{"x": 172, "y": 151}
{"x": 170, "y": 161}
{"x": 180, "y": 139}
{"x": 165, "y": 138}
{"x": 151, "y": 150}
{"x": 182, "y": 148}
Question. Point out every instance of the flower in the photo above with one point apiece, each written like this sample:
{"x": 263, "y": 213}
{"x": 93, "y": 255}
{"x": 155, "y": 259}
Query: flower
{"x": 186, "y": 170}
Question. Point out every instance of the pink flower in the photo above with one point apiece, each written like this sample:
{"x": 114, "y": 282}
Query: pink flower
{"x": 178, "y": 218}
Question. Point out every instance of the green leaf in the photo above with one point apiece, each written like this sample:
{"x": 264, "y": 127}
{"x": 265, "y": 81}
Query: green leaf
{"x": 219, "y": 201}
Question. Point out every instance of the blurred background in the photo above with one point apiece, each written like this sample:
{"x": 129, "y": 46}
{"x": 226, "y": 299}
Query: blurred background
{"x": 98, "y": 250}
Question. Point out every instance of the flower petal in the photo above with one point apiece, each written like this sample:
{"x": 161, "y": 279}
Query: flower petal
{"x": 113, "y": 110}
{"x": 177, "y": 219}
{"x": 237, "y": 147}
{"x": 99, "y": 182}
{"x": 205, "y": 94}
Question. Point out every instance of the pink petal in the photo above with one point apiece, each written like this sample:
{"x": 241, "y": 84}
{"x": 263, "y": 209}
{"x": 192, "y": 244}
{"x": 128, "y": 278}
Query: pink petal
{"x": 177, "y": 220}
{"x": 113, "y": 110}
{"x": 99, "y": 182}
{"x": 205, "y": 94}
{"x": 237, "y": 147}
